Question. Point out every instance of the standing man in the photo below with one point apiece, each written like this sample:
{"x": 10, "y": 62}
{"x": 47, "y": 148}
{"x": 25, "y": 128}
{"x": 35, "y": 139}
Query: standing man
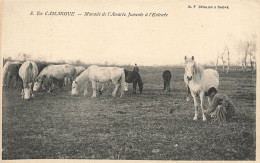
{"x": 136, "y": 68}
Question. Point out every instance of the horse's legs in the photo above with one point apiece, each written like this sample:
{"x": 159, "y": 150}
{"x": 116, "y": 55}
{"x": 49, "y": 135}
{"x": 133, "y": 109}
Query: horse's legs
{"x": 126, "y": 87}
{"x": 86, "y": 89}
{"x": 202, "y": 105}
{"x": 115, "y": 90}
{"x": 169, "y": 88}
{"x": 94, "y": 88}
{"x": 134, "y": 87}
{"x": 209, "y": 102}
{"x": 188, "y": 93}
{"x": 164, "y": 85}
{"x": 195, "y": 106}
{"x": 102, "y": 88}
{"x": 15, "y": 80}
{"x": 50, "y": 82}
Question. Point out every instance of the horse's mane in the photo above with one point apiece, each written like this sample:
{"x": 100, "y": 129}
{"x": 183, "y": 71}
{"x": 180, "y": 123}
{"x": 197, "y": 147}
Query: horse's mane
{"x": 198, "y": 68}
{"x": 81, "y": 79}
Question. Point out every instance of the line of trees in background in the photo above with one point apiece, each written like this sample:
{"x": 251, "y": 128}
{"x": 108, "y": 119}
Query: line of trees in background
{"x": 245, "y": 53}
{"x": 22, "y": 57}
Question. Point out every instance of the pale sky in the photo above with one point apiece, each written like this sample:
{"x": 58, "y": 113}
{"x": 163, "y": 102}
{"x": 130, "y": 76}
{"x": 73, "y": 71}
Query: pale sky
{"x": 126, "y": 40}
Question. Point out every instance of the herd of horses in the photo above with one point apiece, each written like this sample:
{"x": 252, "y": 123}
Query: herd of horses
{"x": 197, "y": 79}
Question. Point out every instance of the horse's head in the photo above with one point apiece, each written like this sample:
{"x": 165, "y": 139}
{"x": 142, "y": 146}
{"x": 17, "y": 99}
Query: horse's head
{"x": 38, "y": 82}
{"x": 37, "y": 85}
{"x": 190, "y": 68}
{"x": 75, "y": 88}
{"x": 27, "y": 91}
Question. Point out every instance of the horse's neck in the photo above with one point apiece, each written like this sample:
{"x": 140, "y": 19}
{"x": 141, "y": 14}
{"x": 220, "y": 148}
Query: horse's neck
{"x": 83, "y": 78}
{"x": 199, "y": 72}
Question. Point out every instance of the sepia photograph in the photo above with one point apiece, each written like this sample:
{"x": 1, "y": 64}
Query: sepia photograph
{"x": 118, "y": 80}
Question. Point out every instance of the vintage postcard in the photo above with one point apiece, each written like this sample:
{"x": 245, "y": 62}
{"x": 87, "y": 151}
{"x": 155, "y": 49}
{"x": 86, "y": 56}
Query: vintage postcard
{"x": 118, "y": 80}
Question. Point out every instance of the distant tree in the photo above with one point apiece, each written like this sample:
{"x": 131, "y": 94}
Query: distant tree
{"x": 246, "y": 50}
{"x": 251, "y": 52}
{"x": 225, "y": 58}
{"x": 217, "y": 61}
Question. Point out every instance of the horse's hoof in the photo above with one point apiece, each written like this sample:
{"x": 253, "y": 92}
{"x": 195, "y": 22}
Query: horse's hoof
{"x": 204, "y": 119}
{"x": 33, "y": 95}
{"x": 195, "y": 118}
{"x": 93, "y": 96}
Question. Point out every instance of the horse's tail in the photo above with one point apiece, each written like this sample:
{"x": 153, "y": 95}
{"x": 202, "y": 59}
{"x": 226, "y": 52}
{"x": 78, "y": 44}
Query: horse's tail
{"x": 122, "y": 83}
{"x": 28, "y": 73}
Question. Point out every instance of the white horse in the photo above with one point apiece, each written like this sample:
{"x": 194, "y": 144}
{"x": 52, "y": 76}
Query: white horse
{"x": 28, "y": 73}
{"x": 55, "y": 72}
{"x": 199, "y": 81}
{"x": 96, "y": 75}
{"x": 9, "y": 72}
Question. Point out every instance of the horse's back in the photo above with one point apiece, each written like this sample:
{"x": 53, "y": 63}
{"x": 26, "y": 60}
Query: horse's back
{"x": 28, "y": 71}
{"x": 70, "y": 70}
{"x": 79, "y": 69}
{"x": 210, "y": 78}
{"x": 167, "y": 75}
{"x": 104, "y": 74}
{"x": 57, "y": 71}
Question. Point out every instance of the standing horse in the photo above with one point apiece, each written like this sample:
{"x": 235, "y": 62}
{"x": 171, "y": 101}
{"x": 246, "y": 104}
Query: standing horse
{"x": 10, "y": 71}
{"x": 166, "y": 80}
{"x": 135, "y": 78}
{"x": 199, "y": 81}
{"x": 28, "y": 72}
{"x": 54, "y": 72}
{"x": 95, "y": 75}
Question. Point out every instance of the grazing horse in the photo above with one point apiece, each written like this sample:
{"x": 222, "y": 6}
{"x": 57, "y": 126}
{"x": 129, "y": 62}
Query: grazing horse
{"x": 10, "y": 71}
{"x": 79, "y": 69}
{"x": 96, "y": 75}
{"x": 166, "y": 80}
{"x": 135, "y": 78}
{"x": 54, "y": 72}
{"x": 199, "y": 81}
{"x": 28, "y": 73}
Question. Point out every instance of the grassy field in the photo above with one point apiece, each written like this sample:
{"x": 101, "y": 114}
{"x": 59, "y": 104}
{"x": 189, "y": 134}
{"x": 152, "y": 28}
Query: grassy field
{"x": 156, "y": 125}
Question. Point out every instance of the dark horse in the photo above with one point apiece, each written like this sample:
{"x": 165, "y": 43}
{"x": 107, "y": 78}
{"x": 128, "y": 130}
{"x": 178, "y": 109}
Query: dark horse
{"x": 134, "y": 77}
{"x": 166, "y": 79}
